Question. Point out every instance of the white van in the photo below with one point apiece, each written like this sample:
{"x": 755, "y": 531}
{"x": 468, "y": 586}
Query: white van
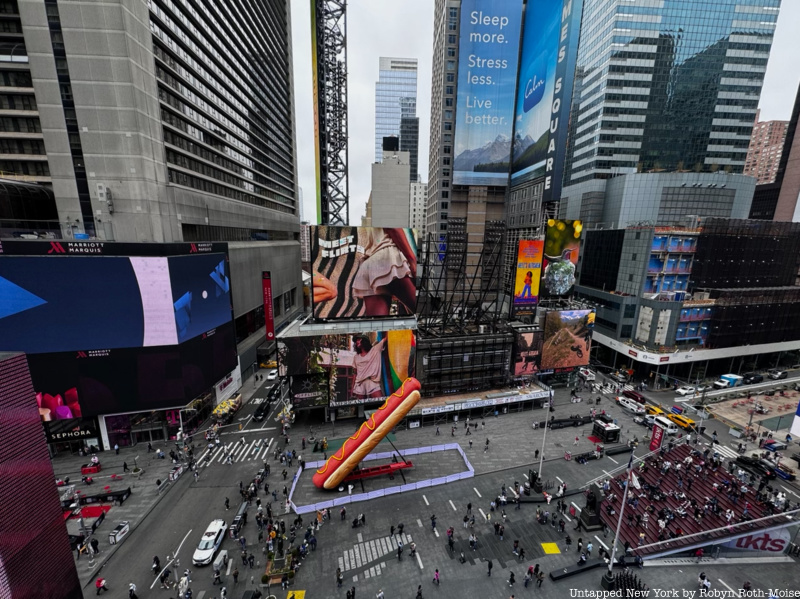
{"x": 669, "y": 427}
{"x": 630, "y": 405}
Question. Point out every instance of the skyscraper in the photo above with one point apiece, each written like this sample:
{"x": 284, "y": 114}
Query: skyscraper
{"x": 766, "y": 147}
{"x": 396, "y": 107}
{"x": 670, "y": 86}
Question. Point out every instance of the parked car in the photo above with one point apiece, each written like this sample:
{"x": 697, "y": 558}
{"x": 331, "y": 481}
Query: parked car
{"x": 620, "y": 377}
{"x": 682, "y": 421}
{"x": 586, "y": 374}
{"x": 637, "y": 397}
{"x": 212, "y": 539}
{"x": 756, "y": 466}
{"x": 684, "y": 391}
{"x": 273, "y": 374}
{"x": 752, "y": 378}
{"x": 777, "y": 375}
{"x": 630, "y": 405}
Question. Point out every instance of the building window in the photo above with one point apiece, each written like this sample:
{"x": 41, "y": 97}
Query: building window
{"x": 638, "y": 234}
{"x": 630, "y": 278}
{"x": 630, "y": 311}
{"x": 445, "y": 194}
{"x": 448, "y": 115}
{"x": 448, "y": 89}
{"x": 448, "y": 126}
{"x": 451, "y": 39}
{"x": 445, "y": 184}
{"x": 626, "y": 331}
{"x": 445, "y": 205}
{"x": 453, "y": 12}
{"x": 448, "y": 149}
{"x": 446, "y": 161}
{"x": 451, "y": 77}
{"x": 633, "y": 257}
{"x": 448, "y": 101}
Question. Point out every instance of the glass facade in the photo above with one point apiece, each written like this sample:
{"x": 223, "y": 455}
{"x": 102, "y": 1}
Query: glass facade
{"x": 395, "y": 105}
{"x": 667, "y": 86}
{"x": 224, "y": 72}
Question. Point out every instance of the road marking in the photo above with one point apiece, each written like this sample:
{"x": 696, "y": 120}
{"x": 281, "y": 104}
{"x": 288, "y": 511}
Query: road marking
{"x": 735, "y": 593}
{"x": 477, "y": 492}
{"x": 360, "y": 538}
{"x": 453, "y": 505}
{"x": 567, "y": 517}
{"x": 426, "y": 500}
{"x": 526, "y": 476}
{"x": 201, "y": 594}
{"x": 608, "y": 473}
{"x": 599, "y": 540}
{"x": 790, "y": 491}
{"x": 158, "y": 577}
{"x": 419, "y": 522}
{"x": 559, "y": 479}
{"x": 436, "y": 532}
{"x": 577, "y": 509}
{"x": 482, "y": 514}
{"x": 612, "y": 459}
{"x": 419, "y": 561}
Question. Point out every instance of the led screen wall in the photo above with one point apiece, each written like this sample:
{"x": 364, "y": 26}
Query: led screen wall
{"x": 357, "y": 368}
{"x": 363, "y": 272}
{"x": 567, "y": 339}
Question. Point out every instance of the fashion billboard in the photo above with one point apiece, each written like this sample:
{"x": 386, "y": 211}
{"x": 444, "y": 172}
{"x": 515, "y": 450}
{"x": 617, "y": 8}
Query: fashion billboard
{"x": 562, "y": 243}
{"x": 85, "y": 383}
{"x": 354, "y": 368}
{"x": 527, "y": 357}
{"x": 544, "y": 92}
{"x": 487, "y": 77}
{"x": 363, "y": 272}
{"x": 567, "y": 339}
{"x": 526, "y": 282}
{"x": 79, "y": 302}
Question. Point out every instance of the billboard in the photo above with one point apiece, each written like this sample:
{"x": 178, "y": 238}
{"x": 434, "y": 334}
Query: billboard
{"x": 487, "y": 76}
{"x": 85, "y": 383}
{"x": 105, "y": 302}
{"x": 527, "y": 357}
{"x": 357, "y": 368}
{"x": 544, "y": 92}
{"x": 269, "y": 315}
{"x": 562, "y": 243}
{"x": 526, "y": 281}
{"x": 567, "y": 339}
{"x": 363, "y": 272}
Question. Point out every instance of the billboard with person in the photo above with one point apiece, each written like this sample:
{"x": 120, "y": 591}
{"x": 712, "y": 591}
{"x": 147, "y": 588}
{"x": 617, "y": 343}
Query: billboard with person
{"x": 544, "y": 92}
{"x": 562, "y": 243}
{"x": 567, "y": 339}
{"x": 355, "y": 368}
{"x": 526, "y": 281}
{"x": 363, "y": 272}
{"x": 527, "y": 357}
{"x": 487, "y": 77}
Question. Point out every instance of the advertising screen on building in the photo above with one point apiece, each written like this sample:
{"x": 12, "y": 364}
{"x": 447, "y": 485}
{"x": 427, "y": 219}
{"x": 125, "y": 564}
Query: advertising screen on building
{"x": 526, "y": 281}
{"x": 487, "y": 77}
{"x": 359, "y": 368}
{"x": 527, "y": 357}
{"x": 544, "y": 92}
{"x": 84, "y": 383}
{"x": 363, "y": 272}
{"x": 562, "y": 243}
{"x": 310, "y": 390}
{"x": 106, "y": 302}
{"x": 567, "y": 339}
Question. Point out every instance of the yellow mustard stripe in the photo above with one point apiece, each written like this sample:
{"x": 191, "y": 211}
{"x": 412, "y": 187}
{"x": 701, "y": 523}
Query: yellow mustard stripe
{"x": 399, "y": 393}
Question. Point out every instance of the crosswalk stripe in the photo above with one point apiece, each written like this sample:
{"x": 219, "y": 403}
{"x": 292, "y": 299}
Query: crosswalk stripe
{"x": 727, "y": 452}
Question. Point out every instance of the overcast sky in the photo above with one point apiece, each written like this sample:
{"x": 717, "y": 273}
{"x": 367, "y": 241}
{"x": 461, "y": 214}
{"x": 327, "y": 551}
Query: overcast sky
{"x": 404, "y": 29}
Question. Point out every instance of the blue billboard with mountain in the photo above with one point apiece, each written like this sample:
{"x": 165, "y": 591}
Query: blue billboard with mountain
{"x": 487, "y": 73}
{"x": 544, "y": 91}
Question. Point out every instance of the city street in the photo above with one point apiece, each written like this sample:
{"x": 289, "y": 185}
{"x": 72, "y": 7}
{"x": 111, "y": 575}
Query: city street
{"x": 177, "y": 522}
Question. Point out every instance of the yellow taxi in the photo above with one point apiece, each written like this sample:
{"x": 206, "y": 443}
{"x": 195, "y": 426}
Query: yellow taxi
{"x": 682, "y": 421}
{"x": 653, "y": 410}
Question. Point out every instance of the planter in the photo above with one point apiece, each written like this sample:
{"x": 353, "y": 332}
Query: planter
{"x": 735, "y": 432}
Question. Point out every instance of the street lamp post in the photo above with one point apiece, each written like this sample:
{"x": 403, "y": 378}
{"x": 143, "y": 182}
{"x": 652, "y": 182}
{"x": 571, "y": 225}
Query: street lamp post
{"x": 538, "y": 483}
{"x": 607, "y": 582}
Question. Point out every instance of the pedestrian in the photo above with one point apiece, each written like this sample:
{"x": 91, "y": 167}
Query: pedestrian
{"x": 116, "y": 448}
{"x": 437, "y": 431}
{"x": 235, "y": 576}
{"x": 380, "y": 594}
{"x": 391, "y": 531}
{"x": 470, "y": 443}
{"x": 469, "y": 508}
{"x": 217, "y": 578}
{"x": 339, "y": 578}
{"x": 149, "y": 447}
{"x": 576, "y": 440}
{"x": 95, "y": 545}
{"x": 486, "y": 447}
{"x": 227, "y": 504}
{"x": 419, "y": 592}
{"x": 251, "y": 560}
{"x": 489, "y": 573}
{"x": 580, "y": 544}
{"x": 125, "y": 467}
{"x": 436, "y": 576}
{"x": 589, "y": 547}
{"x": 100, "y": 585}
{"x": 540, "y": 579}
{"x": 353, "y": 592}
{"x": 521, "y": 553}
{"x": 511, "y": 579}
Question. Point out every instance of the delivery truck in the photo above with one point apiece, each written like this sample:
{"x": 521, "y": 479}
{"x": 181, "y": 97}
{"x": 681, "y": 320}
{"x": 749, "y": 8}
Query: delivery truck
{"x": 726, "y": 381}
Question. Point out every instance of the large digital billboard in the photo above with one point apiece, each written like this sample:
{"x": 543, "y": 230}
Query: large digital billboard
{"x": 562, "y": 243}
{"x": 526, "y": 281}
{"x": 487, "y": 77}
{"x": 358, "y": 368}
{"x": 363, "y": 272}
{"x": 65, "y": 303}
{"x": 544, "y": 92}
{"x": 528, "y": 354}
{"x": 83, "y": 383}
{"x": 567, "y": 339}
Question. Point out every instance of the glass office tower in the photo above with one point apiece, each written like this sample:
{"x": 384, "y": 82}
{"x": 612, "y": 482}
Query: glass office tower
{"x": 667, "y": 86}
{"x": 396, "y": 99}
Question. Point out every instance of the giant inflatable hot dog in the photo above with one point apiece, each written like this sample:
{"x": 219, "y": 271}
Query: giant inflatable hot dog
{"x": 369, "y": 434}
